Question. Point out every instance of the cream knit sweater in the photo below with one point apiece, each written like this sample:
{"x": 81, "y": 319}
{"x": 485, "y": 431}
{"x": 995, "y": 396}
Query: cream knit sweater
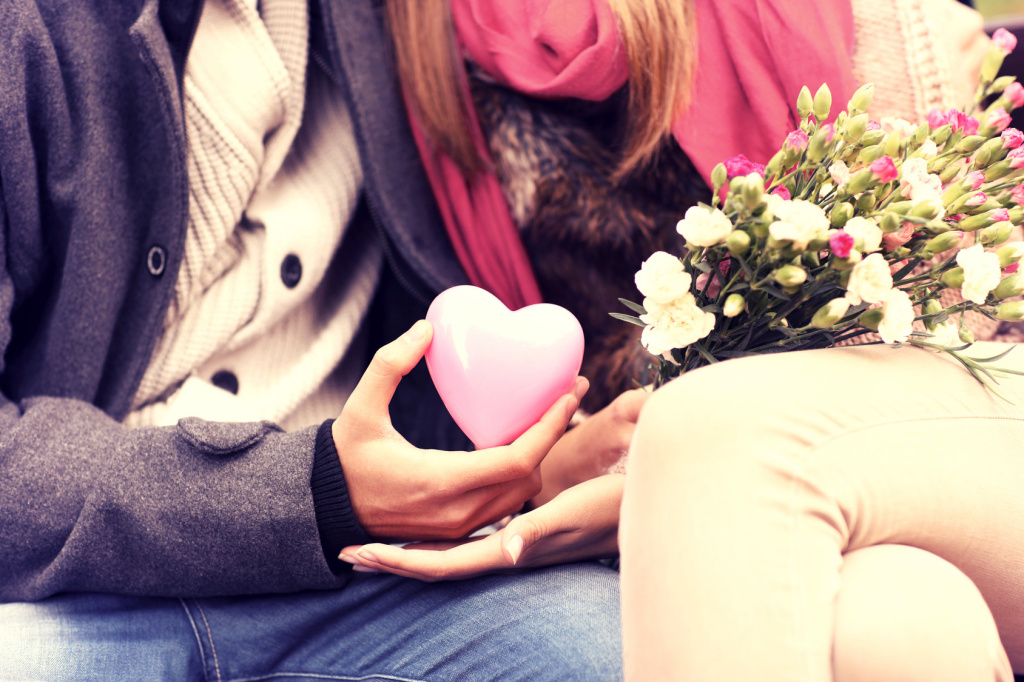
{"x": 272, "y": 288}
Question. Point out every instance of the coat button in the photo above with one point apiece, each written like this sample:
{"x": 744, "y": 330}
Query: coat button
{"x": 291, "y": 270}
{"x": 225, "y": 380}
{"x": 156, "y": 260}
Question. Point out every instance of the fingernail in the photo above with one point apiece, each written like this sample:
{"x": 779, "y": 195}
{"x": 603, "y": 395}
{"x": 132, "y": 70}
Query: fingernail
{"x": 577, "y": 389}
{"x": 570, "y": 407}
{"x": 359, "y": 568}
{"x": 367, "y": 556}
{"x": 514, "y": 547}
{"x": 348, "y": 558}
{"x": 416, "y": 332}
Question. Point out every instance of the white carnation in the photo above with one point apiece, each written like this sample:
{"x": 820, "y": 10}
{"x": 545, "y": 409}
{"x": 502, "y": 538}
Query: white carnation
{"x": 662, "y": 278}
{"x": 870, "y": 280}
{"x": 981, "y": 273}
{"x": 865, "y": 231}
{"x": 800, "y": 222}
{"x": 675, "y": 325}
{"x": 928, "y": 150}
{"x": 946, "y": 334}
{"x": 840, "y": 173}
{"x": 916, "y": 183}
{"x": 891, "y": 123}
{"x": 897, "y": 317}
{"x": 703, "y": 226}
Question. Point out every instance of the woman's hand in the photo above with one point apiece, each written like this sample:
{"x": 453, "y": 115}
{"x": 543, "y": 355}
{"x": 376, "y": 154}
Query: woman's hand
{"x": 398, "y": 491}
{"x": 592, "y": 448}
{"x": 580, "y": 523}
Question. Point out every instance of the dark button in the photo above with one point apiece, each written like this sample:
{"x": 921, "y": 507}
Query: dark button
{"x": 156, "y": 260}
{"x": 225, "y": 380}
{"x": 291, "y": 270}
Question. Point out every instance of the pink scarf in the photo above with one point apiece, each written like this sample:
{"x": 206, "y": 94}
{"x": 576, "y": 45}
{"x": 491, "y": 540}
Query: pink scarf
{"x": 752, "y": 58}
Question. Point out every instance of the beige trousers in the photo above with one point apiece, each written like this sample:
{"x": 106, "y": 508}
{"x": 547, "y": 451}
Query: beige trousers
{"x": 846, "y": 514}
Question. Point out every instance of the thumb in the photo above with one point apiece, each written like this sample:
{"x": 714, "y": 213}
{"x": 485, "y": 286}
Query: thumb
{"x": 522, "y": 532}
{"x": 390, "y": 363}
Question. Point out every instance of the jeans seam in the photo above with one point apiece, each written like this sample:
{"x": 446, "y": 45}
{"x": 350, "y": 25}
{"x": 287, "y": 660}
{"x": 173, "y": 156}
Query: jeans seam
{"x": 320, "y": 676}
{"x": 209, "y": 635}
{"x": 199, "y": 639}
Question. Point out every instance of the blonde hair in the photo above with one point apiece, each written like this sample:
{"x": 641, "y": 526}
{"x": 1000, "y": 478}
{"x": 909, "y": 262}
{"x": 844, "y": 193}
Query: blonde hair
{"x": 658, "y": 36}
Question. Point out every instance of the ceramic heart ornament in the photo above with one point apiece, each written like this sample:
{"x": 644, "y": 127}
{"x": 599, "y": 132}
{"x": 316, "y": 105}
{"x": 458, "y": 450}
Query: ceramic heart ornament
{"x": 498, "y": 371}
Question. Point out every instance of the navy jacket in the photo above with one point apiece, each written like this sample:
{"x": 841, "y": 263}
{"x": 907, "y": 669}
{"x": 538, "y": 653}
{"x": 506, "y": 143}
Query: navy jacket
{"x": 93, "y": 209}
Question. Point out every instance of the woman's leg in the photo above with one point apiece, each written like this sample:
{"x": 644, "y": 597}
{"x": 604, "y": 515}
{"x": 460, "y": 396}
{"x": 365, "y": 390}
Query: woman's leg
{"x": 749, "y": 480}
{"x": 904, "y": 614}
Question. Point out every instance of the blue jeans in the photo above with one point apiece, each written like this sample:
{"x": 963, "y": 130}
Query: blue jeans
{"x": 560, "y": 623}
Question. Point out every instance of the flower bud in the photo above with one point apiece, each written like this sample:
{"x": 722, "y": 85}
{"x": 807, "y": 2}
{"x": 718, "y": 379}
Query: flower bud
{"x": 841, "y": 213}
{"x": 734, "y": 305}
{"x": 822, "y": 102}
{"x": 995, "y": 235}
{"x": 1010, "y": 253}
{"x": 928, "y": 209}
{"x": 949, "y": 173}
{"x": 901, "y": 207}
{"x": 718, "y": 176}
{"x": 970, "y": 144}
{"x": 861, "y": 99}
{"x": 1016, "y": 215}
{"x": 930, "y": 309}
{"x": 943, "y": 242}
{"x": 998, "y": 170}
{"x": 872, "y": 137}
{"x": 1009, "y": 287}
{"x": 1010, "y": 311}
{"x": 953, "y": 278}
{"x": 860, "y": 181}
{"x": 942, "y": 133}
{"x": 830, "y": 313}
{"x": 753, "y": 189}
{"x": 816, "y": 146}
{"x": 790, "y": 276}
{"x": 804, "y": 102}
{"x": 855, "y": 128}
{"x": 1001, "y": 83}
{"x": 976, "y": 222}
{"x": 890, "y": 222}
{"x": 738, "y": 243}
{"x": 866, "y": 202}
{"x": 993, "y": 62}
{"x": 893, "y": 143}
{"x": 965, "y": 334}
{"x": 871, "y": 318}
{"x": 982, "y": 159}
{"x": 920, "y": 135}
{"x": 872, "y": 153}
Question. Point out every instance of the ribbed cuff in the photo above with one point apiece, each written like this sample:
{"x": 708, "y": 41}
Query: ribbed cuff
{"x": 335, "y": 519}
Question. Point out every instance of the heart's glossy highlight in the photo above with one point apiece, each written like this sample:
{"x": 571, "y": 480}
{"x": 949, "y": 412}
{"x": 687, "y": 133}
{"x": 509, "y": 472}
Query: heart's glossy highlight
{"x": 498, "y": 371}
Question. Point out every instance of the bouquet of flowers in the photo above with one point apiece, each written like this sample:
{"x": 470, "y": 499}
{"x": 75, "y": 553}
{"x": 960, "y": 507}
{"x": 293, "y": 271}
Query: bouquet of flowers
{"x": 852, "y": 227}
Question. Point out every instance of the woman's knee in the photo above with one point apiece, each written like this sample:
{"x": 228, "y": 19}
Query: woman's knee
{"x": 904, "y": 614}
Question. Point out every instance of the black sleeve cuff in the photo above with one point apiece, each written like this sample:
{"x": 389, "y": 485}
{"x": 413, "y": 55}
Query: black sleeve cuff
{"x": 335, "y": 519}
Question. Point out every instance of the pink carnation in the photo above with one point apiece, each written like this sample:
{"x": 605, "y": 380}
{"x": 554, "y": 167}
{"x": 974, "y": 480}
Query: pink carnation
{"x": 1016, "y": 157}
{"x": 975, "y": 178}
{"x": 1011, "y": 268}
{"x": 797, "y": 140}
{"x": 977, "y": 200}
{"x": 937, "y": 119}
{"x": 782, "y": 192}
{"x": 1004, "y": 40}
{"x": 884, "y": 169}
{"x": 894, "y": 240}
{"x": 1000, "y": 215}
{"x": 1017, "y": 194}
{"x": 1015, "y": 93}
{"x": 1012, "y": 138}
{"x": 830, "y": 132}
{"x": 998, "y": 119}
{"x": 740, "y": 165}
{"x": 874, "y": 125}
{"x": 841, "y": 243}
{"x": 961, "y": 121}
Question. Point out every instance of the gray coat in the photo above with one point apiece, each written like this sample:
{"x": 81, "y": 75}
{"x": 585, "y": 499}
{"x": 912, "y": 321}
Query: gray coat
{"x": 93, "y": 208}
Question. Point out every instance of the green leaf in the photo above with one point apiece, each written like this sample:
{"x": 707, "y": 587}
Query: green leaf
{"x": 628, "y": 318}
{"x": 635, "y": 307}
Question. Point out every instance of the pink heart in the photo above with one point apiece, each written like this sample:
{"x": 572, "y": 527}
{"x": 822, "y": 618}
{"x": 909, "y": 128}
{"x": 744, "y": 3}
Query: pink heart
{"x": 498, "y": 371}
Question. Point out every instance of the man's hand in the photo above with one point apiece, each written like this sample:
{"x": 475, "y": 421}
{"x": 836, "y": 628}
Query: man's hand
{"x": 581, "y": 523}
{"x": 401, "y": 492}
{"x": 592, "y": 448}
